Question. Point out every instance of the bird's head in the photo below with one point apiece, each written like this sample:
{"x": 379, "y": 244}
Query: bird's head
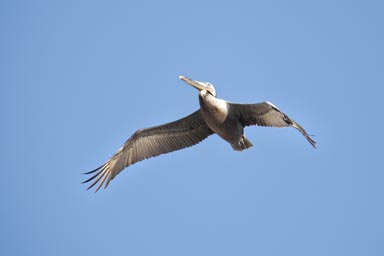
{"x": 200, "y": 85}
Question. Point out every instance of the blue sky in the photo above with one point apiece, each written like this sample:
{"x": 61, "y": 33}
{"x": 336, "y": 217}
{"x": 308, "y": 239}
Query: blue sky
{"x": 77, "y": 78}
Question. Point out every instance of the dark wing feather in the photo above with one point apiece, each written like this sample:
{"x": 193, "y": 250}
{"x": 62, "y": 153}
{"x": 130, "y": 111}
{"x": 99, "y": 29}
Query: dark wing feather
{"x": 266, "y": 114}
{"x": 150, "y": 142}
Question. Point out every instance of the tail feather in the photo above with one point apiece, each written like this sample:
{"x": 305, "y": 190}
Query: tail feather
{"x": 244, "y": 143}
{"x": 247, "y": 143}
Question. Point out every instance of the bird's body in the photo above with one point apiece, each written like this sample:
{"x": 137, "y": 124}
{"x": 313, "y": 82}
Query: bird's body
{"x": 215, "y": 115}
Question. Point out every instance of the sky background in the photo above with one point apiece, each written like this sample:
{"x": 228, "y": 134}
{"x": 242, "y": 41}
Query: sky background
{"x": 77, "y": 78}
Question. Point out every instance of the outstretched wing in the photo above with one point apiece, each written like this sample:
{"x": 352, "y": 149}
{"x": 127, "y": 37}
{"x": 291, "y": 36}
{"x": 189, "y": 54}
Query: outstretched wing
{"x": 266, "y": 114}
{"x": 150, "y": 142}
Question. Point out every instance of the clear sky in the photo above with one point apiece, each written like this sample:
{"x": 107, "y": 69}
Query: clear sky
{"x": 77, "y": 78}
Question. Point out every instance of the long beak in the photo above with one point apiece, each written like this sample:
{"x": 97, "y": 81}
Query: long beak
{"x": 198, "y": 85}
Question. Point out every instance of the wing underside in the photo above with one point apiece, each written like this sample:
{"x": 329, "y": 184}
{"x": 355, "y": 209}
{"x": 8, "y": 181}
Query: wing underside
{"x": 266, "y": 114}
{"x": 151, "y": 142}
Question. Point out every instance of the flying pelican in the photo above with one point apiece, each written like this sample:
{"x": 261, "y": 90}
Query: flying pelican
{"x": 224, "y": 118}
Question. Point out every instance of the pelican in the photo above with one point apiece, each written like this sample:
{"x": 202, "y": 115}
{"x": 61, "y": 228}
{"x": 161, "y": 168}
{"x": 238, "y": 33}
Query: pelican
{"x": 218, "y": 116}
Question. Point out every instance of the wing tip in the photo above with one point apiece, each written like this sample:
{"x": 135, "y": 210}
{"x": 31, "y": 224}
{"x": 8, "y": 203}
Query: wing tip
{"x": 101, "y": 175}
{"x": 312, "y": 142}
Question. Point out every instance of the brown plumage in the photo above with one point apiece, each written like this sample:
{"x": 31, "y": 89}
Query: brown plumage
{"x": 224, "y": 118}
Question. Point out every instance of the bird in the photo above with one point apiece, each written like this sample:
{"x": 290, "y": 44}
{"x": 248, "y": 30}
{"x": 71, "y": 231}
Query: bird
{"x": 215, "y": 116}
